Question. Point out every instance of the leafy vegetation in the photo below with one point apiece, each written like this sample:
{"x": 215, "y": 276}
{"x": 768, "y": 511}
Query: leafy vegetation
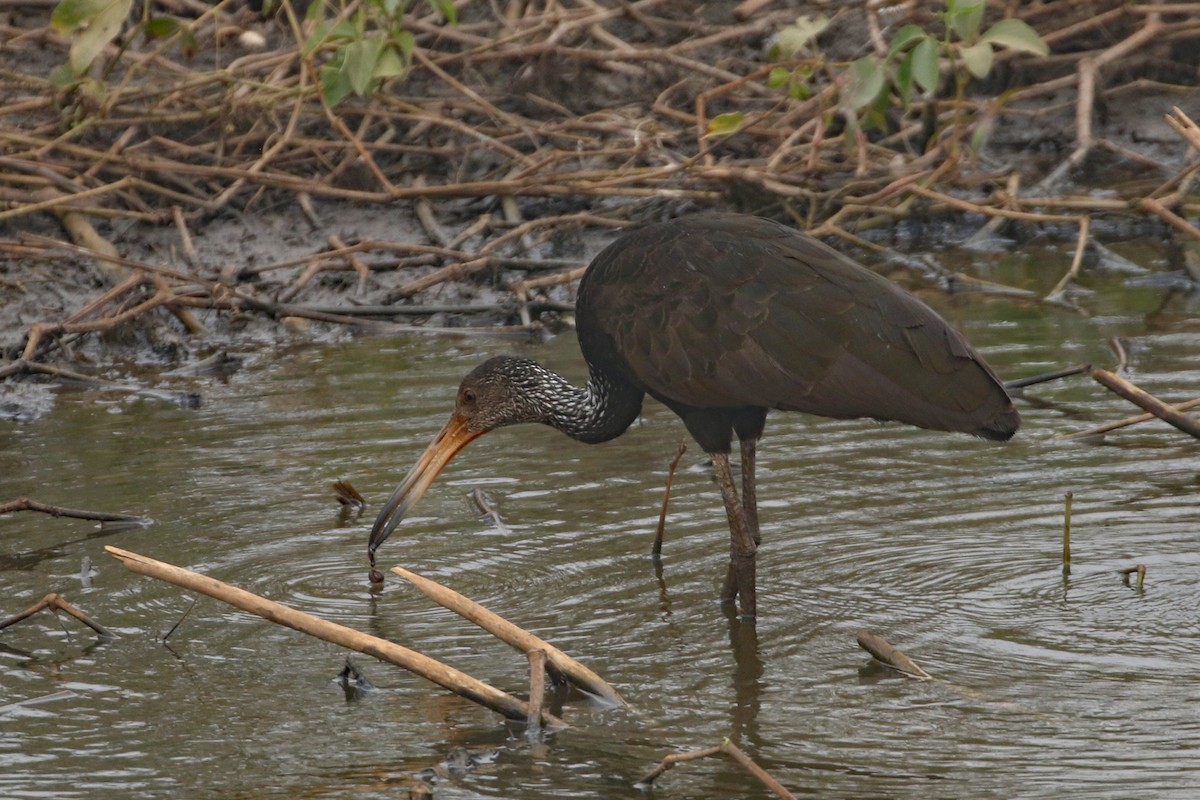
{"x": 914, "y": 64}
{"x": 367, "y": 46}
{"x": 358, "y": 45}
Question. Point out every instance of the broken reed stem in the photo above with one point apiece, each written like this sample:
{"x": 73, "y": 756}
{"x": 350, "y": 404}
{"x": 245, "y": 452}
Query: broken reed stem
{"x": 56, "y": 602}
{"x": 1076, "y": 262}
{"x": 1066, "y": 553}
{"x": 513, "y": 635}
{"x": 419, "y": 664}
{"x": 1140, "y": 569}
{"x": 1149, "y": 402}
{"x": 656, "y": 550}
{"x": 889, "y": 655}
{"x": 730, "y": 749}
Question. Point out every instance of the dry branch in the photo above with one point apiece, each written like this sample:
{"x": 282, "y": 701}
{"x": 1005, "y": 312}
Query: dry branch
{"x": 276, "y": 131}
{"x": 1100, "y": 430}
{"x": 1149, "y": 402}
{"x": 56, "y": 602}
{"x": 514, "y": 636}
{"x": 25, "y": 504}
{"x": 445, "y": 676}
{"x": 656, "y": 550}
{"x": 730, "y": 749}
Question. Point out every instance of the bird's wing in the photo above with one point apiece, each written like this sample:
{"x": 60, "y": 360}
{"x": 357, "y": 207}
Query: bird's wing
{"x": 737, "y": 311}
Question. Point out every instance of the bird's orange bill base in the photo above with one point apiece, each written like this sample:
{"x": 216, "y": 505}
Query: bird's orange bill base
{"x": 452, "y": 438}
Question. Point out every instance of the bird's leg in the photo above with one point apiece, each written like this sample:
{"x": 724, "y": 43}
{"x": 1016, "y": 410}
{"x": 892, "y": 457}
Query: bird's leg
{"x": 749, "y": 493}
{"x": 739, "y": 580}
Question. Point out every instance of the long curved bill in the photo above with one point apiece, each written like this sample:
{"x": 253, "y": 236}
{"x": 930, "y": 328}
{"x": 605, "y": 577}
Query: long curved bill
{"x": 452, "y": 438}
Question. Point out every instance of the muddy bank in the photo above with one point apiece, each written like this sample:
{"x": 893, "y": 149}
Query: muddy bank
{"x": 468, "y": 194}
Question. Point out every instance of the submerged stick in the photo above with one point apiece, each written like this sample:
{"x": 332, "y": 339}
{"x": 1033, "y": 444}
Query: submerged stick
{"x": 431, "y": 669}
{"x": 730, "y": 749}
{"x": 513, "y": 635}
{"x": 890, "y": 656}
{"x": 25, "y": 504}
{"x": 656, "y": 551}
{"x": 1149, "y": 402}
{"x": 56, "y": 602}
{"x": 1066, "y": 569}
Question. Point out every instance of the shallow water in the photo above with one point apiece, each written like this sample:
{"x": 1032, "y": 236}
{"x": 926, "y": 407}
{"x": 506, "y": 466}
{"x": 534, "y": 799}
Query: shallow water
{"x": 949, "y": 547}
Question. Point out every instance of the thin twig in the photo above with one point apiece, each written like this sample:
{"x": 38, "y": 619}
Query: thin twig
{"x": 56, "y": 602}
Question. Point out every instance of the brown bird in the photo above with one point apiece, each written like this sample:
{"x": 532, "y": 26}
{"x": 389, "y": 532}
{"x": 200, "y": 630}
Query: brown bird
{"x": 722, "y": 318}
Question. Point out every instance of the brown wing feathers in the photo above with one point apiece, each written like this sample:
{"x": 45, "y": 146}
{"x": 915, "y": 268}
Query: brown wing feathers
{"x": 730, "y": 311}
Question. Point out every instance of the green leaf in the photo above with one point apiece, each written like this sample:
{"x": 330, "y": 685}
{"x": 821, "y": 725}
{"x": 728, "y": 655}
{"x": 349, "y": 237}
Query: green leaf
{"x": 361, "y": 58}
{"x": 63, "y": 76}
{"x": 404, "y": 42}
{"x": 778, "y": 77}
{"x": 390, "y": 64}
{"x": 965, "y": 18}
{"x": 794, "y": 38}
{"x": 189, "y": 43}
{"x": 316, "y": 11}
{"x": 71, "y": 14}
{"x": 980, "y": 135}
{"x": 978, "y": 58}
{"x": 904, "y": 78}
{"x": 320, "y": 33}
{"x": 160, "y": 27}
{"x": 925, "y": 65}
{"x": 335, "y": 82}
{"x": 726, "y": 124}
{"x": 324, "y": 34}
{"x": 91, "y": 33}
{"x": 864, "y": 81}
{"x": 446, "y": 9}
{"x": 905, "y": 37}
{"x": 1016, "y": 35}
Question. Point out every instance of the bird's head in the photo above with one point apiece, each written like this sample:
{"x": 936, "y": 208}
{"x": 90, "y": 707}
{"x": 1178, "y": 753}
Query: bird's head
{"x": 501, "y": 391}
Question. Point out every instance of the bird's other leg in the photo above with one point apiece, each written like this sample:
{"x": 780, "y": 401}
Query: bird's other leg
{"x": 749, "y": 493}
{"x": 748, "y": 424}
{"x": 740, "y": 579}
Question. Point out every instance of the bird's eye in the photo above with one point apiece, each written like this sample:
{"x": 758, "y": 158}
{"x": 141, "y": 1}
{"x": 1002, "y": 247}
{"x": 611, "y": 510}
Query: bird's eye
{"x": 468, "y": 395}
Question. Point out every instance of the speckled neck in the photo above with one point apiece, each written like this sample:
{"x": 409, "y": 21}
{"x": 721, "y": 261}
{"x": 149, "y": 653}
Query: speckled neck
{"x": 602, "y": 410}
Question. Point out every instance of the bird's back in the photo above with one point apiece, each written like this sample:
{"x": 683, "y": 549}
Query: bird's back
{"x": 729, "y": 311}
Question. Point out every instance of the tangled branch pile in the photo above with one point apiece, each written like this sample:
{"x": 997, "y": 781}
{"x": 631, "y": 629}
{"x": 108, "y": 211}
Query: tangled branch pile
{"x": 560, "y": 116}
{"x": 582, "y": 100}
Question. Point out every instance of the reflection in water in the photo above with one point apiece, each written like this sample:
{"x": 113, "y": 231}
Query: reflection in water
{"x": 947, "y": 545}
{"x": 664, "y": 597}
{"x": 747, "y": 674}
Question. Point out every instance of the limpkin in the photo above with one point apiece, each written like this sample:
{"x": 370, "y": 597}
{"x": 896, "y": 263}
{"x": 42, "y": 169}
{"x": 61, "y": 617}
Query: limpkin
{"x": 722, "y": 318}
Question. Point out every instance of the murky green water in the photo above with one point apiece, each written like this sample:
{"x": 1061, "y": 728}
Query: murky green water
{"x": 948, "y": 546}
